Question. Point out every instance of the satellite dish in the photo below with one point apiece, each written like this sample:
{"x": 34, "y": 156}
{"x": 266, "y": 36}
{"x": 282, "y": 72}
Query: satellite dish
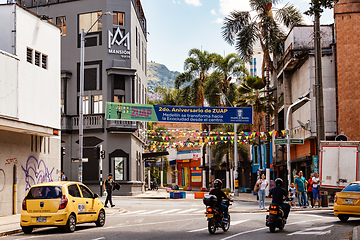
{"x": 301, "y": 124}
{"x": 341, "y": 137}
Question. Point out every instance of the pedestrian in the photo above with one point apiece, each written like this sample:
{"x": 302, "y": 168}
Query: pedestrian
{"x": 316, "y": 193}
{"x": 310, "y": 190}
{"x": 262, "y": 183}
{"x": 63, "y": 177}
{"x": 292, "y": 195}
{"x": 108, "y": 187}
{"x": 301, "y": 189}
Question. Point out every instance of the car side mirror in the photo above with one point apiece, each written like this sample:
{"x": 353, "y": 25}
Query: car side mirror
{"x": 96, "y": 195}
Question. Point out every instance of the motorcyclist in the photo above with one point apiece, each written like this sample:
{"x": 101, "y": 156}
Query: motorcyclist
{"x": 278, "y": 193}
{"x": 220, "y": 195}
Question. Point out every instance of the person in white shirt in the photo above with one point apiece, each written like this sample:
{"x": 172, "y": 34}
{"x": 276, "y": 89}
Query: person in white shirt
{"x": 316, "y": 194}
{"x": 292, "y": 195}
{"x": 262, "y": 183}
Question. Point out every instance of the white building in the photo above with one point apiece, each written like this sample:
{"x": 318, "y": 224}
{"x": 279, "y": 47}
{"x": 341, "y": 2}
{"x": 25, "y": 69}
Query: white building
{"x": 29, "y": 104}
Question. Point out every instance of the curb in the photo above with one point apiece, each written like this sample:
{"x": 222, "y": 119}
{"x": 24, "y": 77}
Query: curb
{"x": 355, "y": 233}
{"x": 11, "y": 232}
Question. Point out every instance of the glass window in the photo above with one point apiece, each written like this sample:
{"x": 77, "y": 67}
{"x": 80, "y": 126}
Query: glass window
{"x": 97, "y": 104}
{"x": 85, "y": 105}
{"x": 118, "y": 18}
{"x": 353, "y": 187}
{"x": 61, "y": 23}
{"x": 86, "y": 20}
{"x": 119, "y": 98}
{"x": 46, "y": 192}
{"x": 86, "y": 192}
{"x": 74, "y": 190}
{"x": 119, "y": 168}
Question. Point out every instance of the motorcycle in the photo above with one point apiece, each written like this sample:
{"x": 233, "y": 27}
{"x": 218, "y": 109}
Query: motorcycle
{"x": 153, "y": 186}
{"x": 275, "y": 219}
{"x": 214, "y": 215}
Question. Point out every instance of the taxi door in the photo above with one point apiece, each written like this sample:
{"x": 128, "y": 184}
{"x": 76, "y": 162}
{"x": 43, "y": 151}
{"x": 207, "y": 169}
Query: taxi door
{"x": 88, "y": 196}
{"x": 77, "y": 202}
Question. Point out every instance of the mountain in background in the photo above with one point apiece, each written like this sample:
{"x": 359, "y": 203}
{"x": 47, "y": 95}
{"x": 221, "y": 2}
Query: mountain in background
{"x": 159, "y": 75}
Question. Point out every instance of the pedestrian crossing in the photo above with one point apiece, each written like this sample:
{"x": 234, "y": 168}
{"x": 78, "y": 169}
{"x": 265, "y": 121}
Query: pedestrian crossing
{"x": 175, "y": 211}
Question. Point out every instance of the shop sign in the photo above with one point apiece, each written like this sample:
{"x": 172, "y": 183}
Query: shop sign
{"x": 122, "y": 40}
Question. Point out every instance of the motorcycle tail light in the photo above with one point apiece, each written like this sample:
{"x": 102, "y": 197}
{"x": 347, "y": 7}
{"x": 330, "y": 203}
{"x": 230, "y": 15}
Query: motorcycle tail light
{"x": 209, "y": 210}
{"x": 24, "y": 207}
{"x": 63, "y": 202}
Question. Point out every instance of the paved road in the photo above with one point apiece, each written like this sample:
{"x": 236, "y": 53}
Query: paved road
{"x": 183, "y": 219}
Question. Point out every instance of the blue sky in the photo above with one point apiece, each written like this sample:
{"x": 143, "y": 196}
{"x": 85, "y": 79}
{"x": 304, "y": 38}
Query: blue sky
{"x": 176, "y": 26}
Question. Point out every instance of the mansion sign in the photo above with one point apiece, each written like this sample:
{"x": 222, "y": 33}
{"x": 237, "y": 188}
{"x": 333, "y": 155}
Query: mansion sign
{"x": 120, "y": 39}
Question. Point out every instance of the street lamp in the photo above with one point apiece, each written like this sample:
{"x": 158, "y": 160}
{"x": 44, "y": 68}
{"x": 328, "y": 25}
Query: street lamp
{"x": 236, "y": 174}
{"x": 288, "y": 136}
{"x": 81, "y": 102}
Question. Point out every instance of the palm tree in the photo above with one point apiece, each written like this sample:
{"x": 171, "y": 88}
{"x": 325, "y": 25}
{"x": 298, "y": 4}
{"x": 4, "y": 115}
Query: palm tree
{"x": 244, "y": 31}
{"x": 192, "y": 80}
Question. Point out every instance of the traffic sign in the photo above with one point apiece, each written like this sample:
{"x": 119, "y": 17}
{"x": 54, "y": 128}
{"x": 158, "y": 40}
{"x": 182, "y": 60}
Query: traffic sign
{"x": 296, "y": 141}
{"x": 280, "y": 141}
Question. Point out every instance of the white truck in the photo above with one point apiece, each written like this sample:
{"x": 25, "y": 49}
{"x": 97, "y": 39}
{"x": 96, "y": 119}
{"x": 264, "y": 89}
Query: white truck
{"x": 338, "y": 165}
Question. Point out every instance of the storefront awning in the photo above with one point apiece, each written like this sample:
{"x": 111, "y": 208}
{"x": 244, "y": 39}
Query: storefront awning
{"x": 154, "y": 154}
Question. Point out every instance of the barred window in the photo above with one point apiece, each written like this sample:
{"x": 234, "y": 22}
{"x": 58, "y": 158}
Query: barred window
{"x": 37, "y": 58}
{"x": 29, "y": 55}
{"x": 44, "y": 61}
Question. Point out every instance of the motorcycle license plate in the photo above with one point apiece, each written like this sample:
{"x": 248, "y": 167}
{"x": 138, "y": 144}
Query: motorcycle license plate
{"x": 349, "y": 201}
{"x": 209, "y": 215}
{"x": 41, "y": 219}
{"x": 273, "y": 212}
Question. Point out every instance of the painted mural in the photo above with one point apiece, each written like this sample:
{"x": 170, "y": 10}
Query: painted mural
{"x": 36, "y": 172}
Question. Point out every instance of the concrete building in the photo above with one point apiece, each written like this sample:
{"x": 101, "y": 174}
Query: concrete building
{"x": 295, "y": 77}
{"x": 347, "y": 17}
{"x": 115, "y": 71}
{"x": 29, "y": 104}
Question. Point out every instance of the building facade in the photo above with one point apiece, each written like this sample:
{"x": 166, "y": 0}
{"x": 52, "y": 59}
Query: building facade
{"x": 115, "y": 71}
{"x": 29, "y": 104}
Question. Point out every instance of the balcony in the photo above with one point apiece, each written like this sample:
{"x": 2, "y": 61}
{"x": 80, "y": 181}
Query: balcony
{"x": 93, "y": 122}
{"x": 122, "y": 126}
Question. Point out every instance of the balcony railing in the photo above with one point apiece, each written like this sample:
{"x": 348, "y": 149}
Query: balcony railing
{"x": 71, "y": 123}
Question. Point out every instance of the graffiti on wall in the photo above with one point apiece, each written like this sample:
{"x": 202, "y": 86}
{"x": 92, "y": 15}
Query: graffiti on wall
{"x": 36, "y": 172}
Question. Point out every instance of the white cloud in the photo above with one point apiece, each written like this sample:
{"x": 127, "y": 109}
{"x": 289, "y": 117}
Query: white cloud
{"x": 227, "y": 6}
{"x": 219, "y": 20}
{"x": 196, "y": 3}
{"x": 176, "y": 2}
{"x": 213, "y": 12}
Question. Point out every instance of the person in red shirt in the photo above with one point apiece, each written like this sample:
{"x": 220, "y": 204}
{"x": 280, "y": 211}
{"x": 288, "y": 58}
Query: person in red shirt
{"x": 310, "y": 190}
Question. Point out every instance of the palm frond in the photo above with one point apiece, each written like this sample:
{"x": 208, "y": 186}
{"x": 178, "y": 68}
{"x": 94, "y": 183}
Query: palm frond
{"x": 289, "y": 15}
{"x": 233, "y": 24}
{"x": 245, "y": 40}
{"x": 181, "y": 79}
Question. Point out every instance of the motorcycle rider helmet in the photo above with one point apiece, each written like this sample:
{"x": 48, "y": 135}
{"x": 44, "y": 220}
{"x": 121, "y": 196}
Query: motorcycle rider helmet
{"x": 217, "y": 183}
{"x": 278, "y": 182}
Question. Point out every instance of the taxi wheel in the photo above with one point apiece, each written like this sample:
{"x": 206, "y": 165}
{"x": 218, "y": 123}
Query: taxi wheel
{"x": 71, "y": 224}
{"x": 101, "y": 219}
{"x": 343, "y": 218}
{"x": 27, "y": 230}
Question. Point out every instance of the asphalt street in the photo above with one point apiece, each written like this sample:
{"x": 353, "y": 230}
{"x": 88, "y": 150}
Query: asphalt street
{"x": 184, "y": 219}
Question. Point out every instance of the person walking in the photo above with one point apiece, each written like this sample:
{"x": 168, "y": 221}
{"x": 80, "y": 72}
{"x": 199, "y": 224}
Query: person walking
{"x": 310, "y": 190}
{"x": 316, "y": 193}
{"x": 262, "y": 183}
{"x": 292, "y": 195}
{"x": 108, "y": 187}
{"x": 63, "y": 177}
{"x": 301, "y": 188}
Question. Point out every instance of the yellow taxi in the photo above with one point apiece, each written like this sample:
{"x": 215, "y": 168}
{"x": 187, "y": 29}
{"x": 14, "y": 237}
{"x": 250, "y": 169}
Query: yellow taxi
{"x": 347, "y": 202}
{"x": 61, "y": 204}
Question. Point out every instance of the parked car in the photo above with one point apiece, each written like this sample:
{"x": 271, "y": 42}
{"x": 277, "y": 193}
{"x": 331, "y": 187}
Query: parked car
{"x": 61, "y": 204}
{"x": 347, "y": 202}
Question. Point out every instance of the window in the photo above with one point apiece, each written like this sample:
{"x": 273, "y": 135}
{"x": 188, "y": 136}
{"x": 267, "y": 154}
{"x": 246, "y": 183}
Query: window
{"x": 85, "y": 105}
{"x": 44, "y": 61}
{"x": 353, "y": 187}
{"x": 86, "y": 20}
{"x": 119, "y": 168}
{"x": 97, "y": 104}
{"x": 119, "y": 98}
{"x": 61, "y": 23}
{"x": 85, "y": 192}
{"x": 29, "y": 55}
{"x": 74, "y": 190}
{"x": 37, "y": 58}
{"x": 118, "y": 18}
{"x": 46, "y": 192}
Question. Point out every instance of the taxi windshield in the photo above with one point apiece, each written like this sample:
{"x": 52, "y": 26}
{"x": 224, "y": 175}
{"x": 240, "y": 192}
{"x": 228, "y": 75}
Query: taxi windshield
{"x": 353, "y": 187}
{"x": 44, "y": 192}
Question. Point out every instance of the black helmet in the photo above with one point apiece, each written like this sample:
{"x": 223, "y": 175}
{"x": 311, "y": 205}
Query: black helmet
{"x": 278, "y": 182}
{"x": 217, "y": 183}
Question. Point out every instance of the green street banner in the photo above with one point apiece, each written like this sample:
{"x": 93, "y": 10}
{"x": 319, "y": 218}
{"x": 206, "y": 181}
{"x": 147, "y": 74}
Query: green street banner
{"x": 162, "y": 113}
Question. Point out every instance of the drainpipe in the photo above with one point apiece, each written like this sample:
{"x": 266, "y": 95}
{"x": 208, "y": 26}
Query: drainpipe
{"x": 14, "y": 189}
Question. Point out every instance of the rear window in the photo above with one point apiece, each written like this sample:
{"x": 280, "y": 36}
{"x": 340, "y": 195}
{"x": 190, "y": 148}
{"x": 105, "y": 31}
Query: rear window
{"x": 45, "y": 192}
{"x": 353, "y": 187}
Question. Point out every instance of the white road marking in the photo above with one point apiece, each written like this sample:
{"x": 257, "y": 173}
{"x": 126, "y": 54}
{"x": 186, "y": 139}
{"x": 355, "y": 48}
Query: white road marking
{"x": 231, "y": 224}
{"x": 312, "y": 231}
{"x": 139, "y": 211}
{"x": 99, "y": 238}
{"x": 151, "y": 212}
{"x": 170, "y": 211}
{"x": 201, "y": 211}
{"x": 186, "y": 211}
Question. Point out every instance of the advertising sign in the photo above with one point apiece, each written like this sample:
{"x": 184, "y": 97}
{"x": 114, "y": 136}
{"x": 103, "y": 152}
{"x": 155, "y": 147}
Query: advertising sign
{"x": 161, "y": 113}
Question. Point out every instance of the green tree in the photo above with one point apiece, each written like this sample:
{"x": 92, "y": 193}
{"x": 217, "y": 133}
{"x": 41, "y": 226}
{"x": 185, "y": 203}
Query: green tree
{"x": 191, "y": 82}
{"x": 168, "y": 96}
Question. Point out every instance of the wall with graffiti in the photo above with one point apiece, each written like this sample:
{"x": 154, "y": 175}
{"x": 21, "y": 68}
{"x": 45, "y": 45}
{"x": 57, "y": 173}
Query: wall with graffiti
{"x": 25, "y": 160}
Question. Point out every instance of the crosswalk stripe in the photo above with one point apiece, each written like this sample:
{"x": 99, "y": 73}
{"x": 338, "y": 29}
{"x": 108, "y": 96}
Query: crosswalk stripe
{"x": 188, "y": 210}
{"x": 151, "y": 212}
{"x": 170, "y": 211}
{"x": 139, "y": 211}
